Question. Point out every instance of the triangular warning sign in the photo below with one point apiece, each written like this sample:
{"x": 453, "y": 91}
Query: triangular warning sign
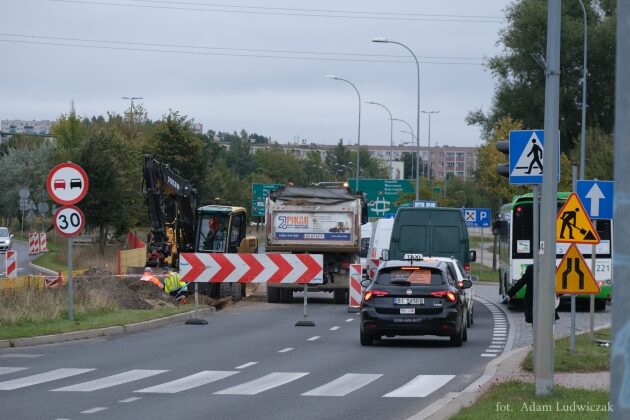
{"x": 573, "y": 276}
{"x": 529, "y": 163}
{"x": 573, "y": 224}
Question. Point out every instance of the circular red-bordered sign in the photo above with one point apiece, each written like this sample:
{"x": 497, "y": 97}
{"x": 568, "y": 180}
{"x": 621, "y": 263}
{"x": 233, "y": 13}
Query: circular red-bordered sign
{"x": 67, "y": 183}
{"x": 69, "y": 220}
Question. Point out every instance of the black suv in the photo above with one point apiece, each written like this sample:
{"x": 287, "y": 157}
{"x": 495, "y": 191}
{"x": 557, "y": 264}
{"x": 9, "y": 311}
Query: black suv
{"x": 414, "y": 298}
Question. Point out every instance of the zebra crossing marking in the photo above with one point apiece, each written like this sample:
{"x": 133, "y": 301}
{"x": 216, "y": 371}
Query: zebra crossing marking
{"x": 264, "y": 383}
{"x": 94, "y": 410}
{"x": 40, "y": 378}
{"x": 113, "y": 380}
{"x": 343, "y": 385}
{"x": 5, "y": 370}
{"x": 189, "y": 382}
{"x": 420, "y": 386}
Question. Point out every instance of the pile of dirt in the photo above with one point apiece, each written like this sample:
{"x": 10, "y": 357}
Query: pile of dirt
{"x": 127, "y": 292}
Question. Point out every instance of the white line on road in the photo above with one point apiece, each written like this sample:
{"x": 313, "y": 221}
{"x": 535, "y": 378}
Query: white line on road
{"x": 343, "y": 385}
{"x": 94, "y": 410}
{"x": 488, "y": 355}
{"x": 286, "y": 350}
{"x": 52, "y": 375}
{"x": 492, "y": 350}
{"x": 335, "y": 328}
{"x": 493, "y": 346}
{"x": 113, "y": 380}
{"x": 24, "y": 355}
{"x": 188, "y": 382}
{"x": 246, "y": 365}
{"x": 5, "y": 370}
{"x": 420, "y": 386}
{"x": 130, "y": 399}
{"x": 349, "y": 319}
{"x": 315, "y": 337}
{"x": 264, "y": 383}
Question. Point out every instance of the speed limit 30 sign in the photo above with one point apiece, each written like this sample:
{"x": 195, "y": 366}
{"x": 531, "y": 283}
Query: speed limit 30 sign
{"x": 69, "y": 220}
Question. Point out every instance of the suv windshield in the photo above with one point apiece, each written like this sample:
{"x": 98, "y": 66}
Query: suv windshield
{"x": 4, "y": 232}
{"x": 410, "y": 276}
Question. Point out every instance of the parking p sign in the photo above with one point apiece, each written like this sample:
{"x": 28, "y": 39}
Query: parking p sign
{"x": 477, "y": 217}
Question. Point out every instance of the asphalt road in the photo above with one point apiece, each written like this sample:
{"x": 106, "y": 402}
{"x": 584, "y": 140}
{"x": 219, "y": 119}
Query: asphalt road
{"x": 250, "y": 361}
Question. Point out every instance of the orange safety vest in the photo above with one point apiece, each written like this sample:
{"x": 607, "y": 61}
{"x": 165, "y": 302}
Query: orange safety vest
{"x": 150, "y": 277}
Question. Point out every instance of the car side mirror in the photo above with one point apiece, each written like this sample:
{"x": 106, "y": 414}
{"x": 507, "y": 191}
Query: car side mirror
{"x": 385, "y": 255}
{"x": 473, "y": 256}
{"x": 365, "y": 283}
{"x": 466, "y": 284}
{"x": 473, "y": 278}
{"x": 11, "y": 236}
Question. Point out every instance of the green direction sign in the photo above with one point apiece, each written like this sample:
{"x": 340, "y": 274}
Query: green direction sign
{"x": 259, "y": 195}
{"x": 383, "y": 194}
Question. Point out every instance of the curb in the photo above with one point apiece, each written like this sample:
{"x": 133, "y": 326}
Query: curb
{"x": 101, "y": 332}
{"x": 42, "y": 269}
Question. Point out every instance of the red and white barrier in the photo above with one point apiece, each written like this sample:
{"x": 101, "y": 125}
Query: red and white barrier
{"x": 372, "y": 266}
{"x": 42, "y": 242}
{"x": 33, "y": 243}
{"x": 355, "y": 288}
{"x": 10, "y": 263}
{"x": 52, "y": 282}
{"x": 252, "y": 268}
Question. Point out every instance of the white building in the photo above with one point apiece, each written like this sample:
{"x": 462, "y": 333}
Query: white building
{"x": 41, "y": 127}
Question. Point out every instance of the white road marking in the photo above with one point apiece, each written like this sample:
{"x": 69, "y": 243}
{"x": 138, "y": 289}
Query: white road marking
{"x": 420, "y": 386}
{"x": 343, "y": 385}
{"x": 5, "y": 370}
{"x": 315, "y": 337}
{"x": 334, "y": 328}
{"x": 188, "y": 382}
{"x": 24, "y": 355}
{"x": 94, "y": 410}
{"x": 246, "y": 365}
{"x": 493, "y": 346}
{"x": 130, "y": 399}
{"x": 492, "y": 350}
{"x": 264, "y": 383}
{"x": 349, "y": 319}
{"x": 488, "y": 355}
{"x": 40, "y": 378}
{"x": 113, "y": 380}
{"x": 286, "y": 350}
{"x": 498, "y": 335}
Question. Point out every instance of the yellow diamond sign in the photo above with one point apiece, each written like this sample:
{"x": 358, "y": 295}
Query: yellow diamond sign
{"x": 573, "y": 224}
{"x": 573, "y": 277}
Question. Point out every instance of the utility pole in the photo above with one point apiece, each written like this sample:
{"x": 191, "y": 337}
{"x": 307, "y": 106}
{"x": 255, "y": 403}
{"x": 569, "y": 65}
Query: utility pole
{"x": 620, "y": 352}
{"x": 131, "y": 98}
{"x": 544, "y": 283}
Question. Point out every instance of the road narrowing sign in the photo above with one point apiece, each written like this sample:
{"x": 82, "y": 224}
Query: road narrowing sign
{"x": 69, "y": 220}
{"x": 67, "y": 183}
{"x": 573, "y": 276}
{"x": 573, "y": 224}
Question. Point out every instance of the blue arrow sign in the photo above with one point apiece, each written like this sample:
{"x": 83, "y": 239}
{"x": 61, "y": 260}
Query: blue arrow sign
{"x": 597, "y": 197}
{"x": 477, "y": 217}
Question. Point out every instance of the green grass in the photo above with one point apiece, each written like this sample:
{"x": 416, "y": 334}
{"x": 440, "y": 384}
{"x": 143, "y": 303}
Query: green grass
{"x": 521, "y": 400}
{"x": 88, "y": 321}
{"x": 589, "y": 355}
{"x": 484, "y": 273}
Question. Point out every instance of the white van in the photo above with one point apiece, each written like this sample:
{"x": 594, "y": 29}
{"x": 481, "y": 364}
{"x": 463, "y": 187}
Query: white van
{"x": 381, "y": 236}
{"x": 366, "y": 235}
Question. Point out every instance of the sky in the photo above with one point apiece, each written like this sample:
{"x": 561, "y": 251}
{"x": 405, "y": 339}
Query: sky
{"x": 256, "y": 65}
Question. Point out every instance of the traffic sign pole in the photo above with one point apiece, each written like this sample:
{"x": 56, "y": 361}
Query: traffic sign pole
{"x": 70, "y": 296}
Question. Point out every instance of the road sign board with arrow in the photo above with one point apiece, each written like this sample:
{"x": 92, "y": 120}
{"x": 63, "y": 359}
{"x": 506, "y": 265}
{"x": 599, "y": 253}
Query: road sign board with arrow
{"x": 597, "y": 197}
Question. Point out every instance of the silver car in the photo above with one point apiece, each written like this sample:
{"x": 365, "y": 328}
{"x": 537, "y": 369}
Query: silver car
{"x": 5, "y": 239}
{"x": 461, "y": 274}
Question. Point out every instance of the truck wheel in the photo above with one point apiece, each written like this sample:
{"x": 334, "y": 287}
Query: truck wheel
{"x": 286, "y": 295}
{"x": 273, "y": 294}
{"x": 225, "y": 290}
{"x": 236, "y": 292}
{"x": 340, "y": 296}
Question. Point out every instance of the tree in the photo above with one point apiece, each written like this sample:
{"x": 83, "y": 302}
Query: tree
{"x": 239, "y": 157}
{"x": 521, "y": 78}
{"x": 279, "y": 166}
{"x": 338, "y": 157}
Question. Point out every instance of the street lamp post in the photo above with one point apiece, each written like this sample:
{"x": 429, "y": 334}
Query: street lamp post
{"x": 330, "y": 76}
{"x": 429, "y": 145}
{"x": 413, "y": 139}
{"x": 391, "y": 134}
{"x": 131, "y": 98}
{"x": 412, "y": 142}
{"x": 385, "y": 40}
{"x": 584, "y": 76}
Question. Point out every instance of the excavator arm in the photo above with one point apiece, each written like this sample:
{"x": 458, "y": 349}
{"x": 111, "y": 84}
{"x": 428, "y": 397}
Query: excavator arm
{"x": 172, "y": 202}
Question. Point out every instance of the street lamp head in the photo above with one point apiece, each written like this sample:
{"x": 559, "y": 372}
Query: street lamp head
{"x": 380, "y": 39}
{"x": 331, "y": 76}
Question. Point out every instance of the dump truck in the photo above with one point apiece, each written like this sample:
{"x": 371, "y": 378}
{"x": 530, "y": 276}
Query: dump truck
{"x": 316, "y": 220}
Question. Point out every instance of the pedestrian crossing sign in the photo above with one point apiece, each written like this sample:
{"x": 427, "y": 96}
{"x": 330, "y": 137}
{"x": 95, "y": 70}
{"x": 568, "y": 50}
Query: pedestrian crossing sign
{"x": 573, "y": 224}
{"x": 526, "y": 156}
{"x": 573, "y": 276}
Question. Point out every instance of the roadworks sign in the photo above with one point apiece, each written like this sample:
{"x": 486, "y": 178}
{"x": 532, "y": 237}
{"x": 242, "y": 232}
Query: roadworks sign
{"x": 573, "y": 277}
{"x": 573, "y": 224}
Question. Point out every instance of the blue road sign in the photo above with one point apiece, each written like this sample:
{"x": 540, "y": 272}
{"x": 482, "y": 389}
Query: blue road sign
{"x": 597, "y": 198}
{"x": 477, "y": 217}
{"x": 526, "y": 157}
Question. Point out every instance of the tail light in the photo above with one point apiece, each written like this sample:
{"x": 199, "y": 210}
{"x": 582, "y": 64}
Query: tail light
{"x": 367, "y": 296}
{"x": 467, "y": 267}
{"x": 461, "y": 283}
{"x": 448, "y": 295}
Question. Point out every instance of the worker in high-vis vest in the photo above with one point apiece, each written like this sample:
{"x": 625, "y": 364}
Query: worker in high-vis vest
{"x": 148, "y": 276}
{"x": 174, "y": 286}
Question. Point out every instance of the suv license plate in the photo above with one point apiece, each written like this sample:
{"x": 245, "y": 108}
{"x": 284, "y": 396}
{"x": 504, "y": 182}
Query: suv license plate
{"x": 408, "y": 301}
{"x": 407, "y": 310}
